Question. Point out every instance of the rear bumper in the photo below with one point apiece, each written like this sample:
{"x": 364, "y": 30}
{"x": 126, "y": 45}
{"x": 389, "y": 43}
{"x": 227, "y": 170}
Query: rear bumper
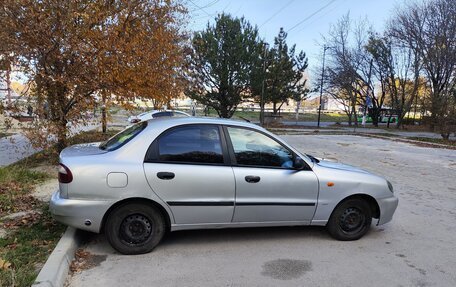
{"x": 78, "y": 213}
{"x": 387, "y": 206}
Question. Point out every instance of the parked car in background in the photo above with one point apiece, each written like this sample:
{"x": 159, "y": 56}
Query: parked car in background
{"x": 196, "y": 173}
{"x": 156, "y": 114}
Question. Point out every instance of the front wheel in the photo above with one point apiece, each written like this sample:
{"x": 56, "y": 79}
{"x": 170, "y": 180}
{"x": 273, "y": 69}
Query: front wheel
{"x": 135, "y": 228}
{"x": 350, "y": 220}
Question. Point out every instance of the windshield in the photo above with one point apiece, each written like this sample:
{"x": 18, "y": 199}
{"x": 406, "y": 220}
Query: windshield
{"x": 123, "y": 137}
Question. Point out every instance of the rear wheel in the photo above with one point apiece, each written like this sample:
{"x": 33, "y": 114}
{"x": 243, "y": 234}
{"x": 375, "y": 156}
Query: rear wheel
{"x": 135, "y": 228}
{"x": 350, "y": 220}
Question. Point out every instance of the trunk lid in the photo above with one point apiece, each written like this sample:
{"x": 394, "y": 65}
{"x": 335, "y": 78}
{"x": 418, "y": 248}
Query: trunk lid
{"x": 82, "y": 150}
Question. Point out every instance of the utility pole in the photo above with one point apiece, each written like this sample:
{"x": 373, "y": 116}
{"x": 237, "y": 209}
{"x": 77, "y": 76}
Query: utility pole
{"x": 321, "y": 83}
{"x": 366, "y": 103}
{"x": 262, "y": 85}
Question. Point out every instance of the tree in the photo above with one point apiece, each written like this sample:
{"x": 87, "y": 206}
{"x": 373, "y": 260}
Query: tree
{"x": 347, "y": 77}
{"x": 76, "y": 52}
{"x": 284, "y": 74}
{"x": 221, "y": 63}
{"x": 429, "y": 30}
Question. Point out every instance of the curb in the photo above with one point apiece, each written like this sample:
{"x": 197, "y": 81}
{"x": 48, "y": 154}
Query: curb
{"x": 55, "y": 270}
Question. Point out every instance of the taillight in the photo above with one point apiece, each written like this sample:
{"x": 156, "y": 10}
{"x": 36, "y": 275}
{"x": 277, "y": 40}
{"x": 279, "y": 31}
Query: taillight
{"x": 65, "y": 175}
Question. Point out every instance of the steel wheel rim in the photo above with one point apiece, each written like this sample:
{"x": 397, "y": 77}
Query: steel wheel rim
{"x": 135, "y": 229}
{"x": 352, "y": 220}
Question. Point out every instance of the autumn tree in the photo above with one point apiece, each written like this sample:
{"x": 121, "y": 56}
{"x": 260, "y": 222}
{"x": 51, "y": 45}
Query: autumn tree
{"x": 223, "y": 56}
{"x": 78, "y": 52}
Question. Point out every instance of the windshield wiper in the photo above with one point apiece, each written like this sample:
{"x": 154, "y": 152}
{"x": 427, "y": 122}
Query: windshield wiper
{"x": 312, "y": 158}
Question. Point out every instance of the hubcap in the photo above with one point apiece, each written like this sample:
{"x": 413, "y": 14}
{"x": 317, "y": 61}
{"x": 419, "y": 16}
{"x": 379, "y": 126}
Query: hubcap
{"x": 352, "y": 220}
{"x": 135, "y": 229}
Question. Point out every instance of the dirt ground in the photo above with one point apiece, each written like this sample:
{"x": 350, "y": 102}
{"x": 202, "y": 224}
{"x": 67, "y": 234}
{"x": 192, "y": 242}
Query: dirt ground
{"x": 416, "y": 249}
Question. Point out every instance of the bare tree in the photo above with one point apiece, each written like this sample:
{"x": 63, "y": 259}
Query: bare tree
{"x": 348, "y": 75}
{"x": 429, "y": 30}
{"x": 397, "y": 69}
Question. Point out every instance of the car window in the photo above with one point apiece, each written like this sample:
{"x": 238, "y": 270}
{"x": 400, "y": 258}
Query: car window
{"x": 196, "y": 143}
{"x": 256, "y": 149}
{"x": 123, "y": 137}
{"x": 162, "y": 114}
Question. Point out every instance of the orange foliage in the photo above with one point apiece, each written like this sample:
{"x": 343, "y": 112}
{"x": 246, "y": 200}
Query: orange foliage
{"x": 74, "y": 51}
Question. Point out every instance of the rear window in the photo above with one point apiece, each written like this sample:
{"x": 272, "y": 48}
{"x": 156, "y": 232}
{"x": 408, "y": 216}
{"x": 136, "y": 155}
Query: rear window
{"x": 123, "y": 137}
{"x": 162, "y": 114}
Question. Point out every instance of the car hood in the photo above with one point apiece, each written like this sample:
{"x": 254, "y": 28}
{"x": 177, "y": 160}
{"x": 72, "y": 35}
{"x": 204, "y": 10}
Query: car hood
{"x": 340, "y": 166}
{"x": 82, "y": 150}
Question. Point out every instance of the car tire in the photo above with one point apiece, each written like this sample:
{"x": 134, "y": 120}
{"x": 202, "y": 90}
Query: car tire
{"x": 135, "y": 228}
{"x": 350, "y": 220}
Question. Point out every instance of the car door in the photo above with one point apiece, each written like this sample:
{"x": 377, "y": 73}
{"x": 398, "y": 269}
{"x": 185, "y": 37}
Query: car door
{"x": 187, "y": 167}
{"x": 268, "y": 188}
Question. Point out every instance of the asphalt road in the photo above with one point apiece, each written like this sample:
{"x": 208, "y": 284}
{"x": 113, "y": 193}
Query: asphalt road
{"x": 416, "y": 249}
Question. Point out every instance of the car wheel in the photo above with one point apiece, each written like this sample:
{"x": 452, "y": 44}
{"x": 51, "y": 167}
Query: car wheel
{"x": 135, "y": 228}
{"x": 350, "y": 220}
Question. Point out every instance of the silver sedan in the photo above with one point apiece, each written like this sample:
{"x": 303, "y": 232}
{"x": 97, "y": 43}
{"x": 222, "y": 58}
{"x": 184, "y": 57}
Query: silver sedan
{"x": 194, "y": 173}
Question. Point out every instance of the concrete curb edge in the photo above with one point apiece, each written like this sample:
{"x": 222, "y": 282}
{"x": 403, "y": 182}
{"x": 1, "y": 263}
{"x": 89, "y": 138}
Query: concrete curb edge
{"x": 55, "y": 270}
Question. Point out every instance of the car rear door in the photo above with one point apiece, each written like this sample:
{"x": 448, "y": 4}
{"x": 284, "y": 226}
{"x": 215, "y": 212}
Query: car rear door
{"x": 268, "y": 188}
{"x": 188, "y": 168}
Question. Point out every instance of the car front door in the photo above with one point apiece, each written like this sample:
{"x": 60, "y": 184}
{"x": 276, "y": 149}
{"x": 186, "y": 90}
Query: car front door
{"x": 268, "y": 188}
{"x": 188, "y": 168}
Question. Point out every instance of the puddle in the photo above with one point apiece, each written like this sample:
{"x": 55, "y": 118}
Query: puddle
{"x": 286, "y": 269}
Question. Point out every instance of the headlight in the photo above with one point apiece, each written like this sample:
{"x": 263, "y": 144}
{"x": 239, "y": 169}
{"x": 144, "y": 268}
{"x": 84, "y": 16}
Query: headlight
{"x": 390, "y": 186}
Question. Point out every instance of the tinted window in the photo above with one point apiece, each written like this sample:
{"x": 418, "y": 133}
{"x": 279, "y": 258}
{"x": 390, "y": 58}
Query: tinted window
{"x": 199, "y": 144}
{"x": 162, "y": 114}
{"x": 254, "y": 148}
{"x": 123, "y": 137}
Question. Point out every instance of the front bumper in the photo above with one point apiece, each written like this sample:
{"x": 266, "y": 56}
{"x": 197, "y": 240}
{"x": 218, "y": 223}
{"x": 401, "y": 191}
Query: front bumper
{"x": 78, "y": 212}
{"x": 387, "y": 207}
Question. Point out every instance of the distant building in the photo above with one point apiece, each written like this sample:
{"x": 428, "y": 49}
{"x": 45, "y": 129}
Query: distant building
{"x": 330, "y": 104}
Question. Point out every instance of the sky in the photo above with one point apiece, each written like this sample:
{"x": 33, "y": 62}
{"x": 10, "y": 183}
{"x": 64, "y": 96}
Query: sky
{"x": 306, "y": 21}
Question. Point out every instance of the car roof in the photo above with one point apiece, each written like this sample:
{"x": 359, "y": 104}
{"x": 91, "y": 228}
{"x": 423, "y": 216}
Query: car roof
{"x": 167, "y": 122}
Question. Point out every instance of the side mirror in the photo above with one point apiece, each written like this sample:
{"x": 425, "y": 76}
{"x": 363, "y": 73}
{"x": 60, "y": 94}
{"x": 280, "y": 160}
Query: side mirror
{"x": 299, "y": 163}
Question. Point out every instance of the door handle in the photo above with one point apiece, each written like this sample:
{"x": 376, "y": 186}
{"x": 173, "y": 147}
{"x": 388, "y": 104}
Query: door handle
{"x": 165, "y": 175}
{"x": 252, "y": 178}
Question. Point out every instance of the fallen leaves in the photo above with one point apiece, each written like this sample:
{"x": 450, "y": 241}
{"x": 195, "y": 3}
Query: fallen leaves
{"x": 26, "y": 220}
{"x": 13, "y": 198}
{"x": 4, "y": 264}
{"x": 84, "y": 260}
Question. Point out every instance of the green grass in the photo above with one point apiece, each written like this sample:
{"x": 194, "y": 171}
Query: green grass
{"x": 435, "y": 140}
{"x": 306, "y": 117}
{"x": 22, "y": 175}
{"x": 30, "y": 240}
{"x": 27, "y": 248}
{"x": 15, "y": 186}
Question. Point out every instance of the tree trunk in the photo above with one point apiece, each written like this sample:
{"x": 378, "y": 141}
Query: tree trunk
{"x": 375, "y": 115}
{"x": 62, "y": 134}
{"x": 274, "y": 108}
{"x": 103, "y": 119}
{"x": 103, "y": 113}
